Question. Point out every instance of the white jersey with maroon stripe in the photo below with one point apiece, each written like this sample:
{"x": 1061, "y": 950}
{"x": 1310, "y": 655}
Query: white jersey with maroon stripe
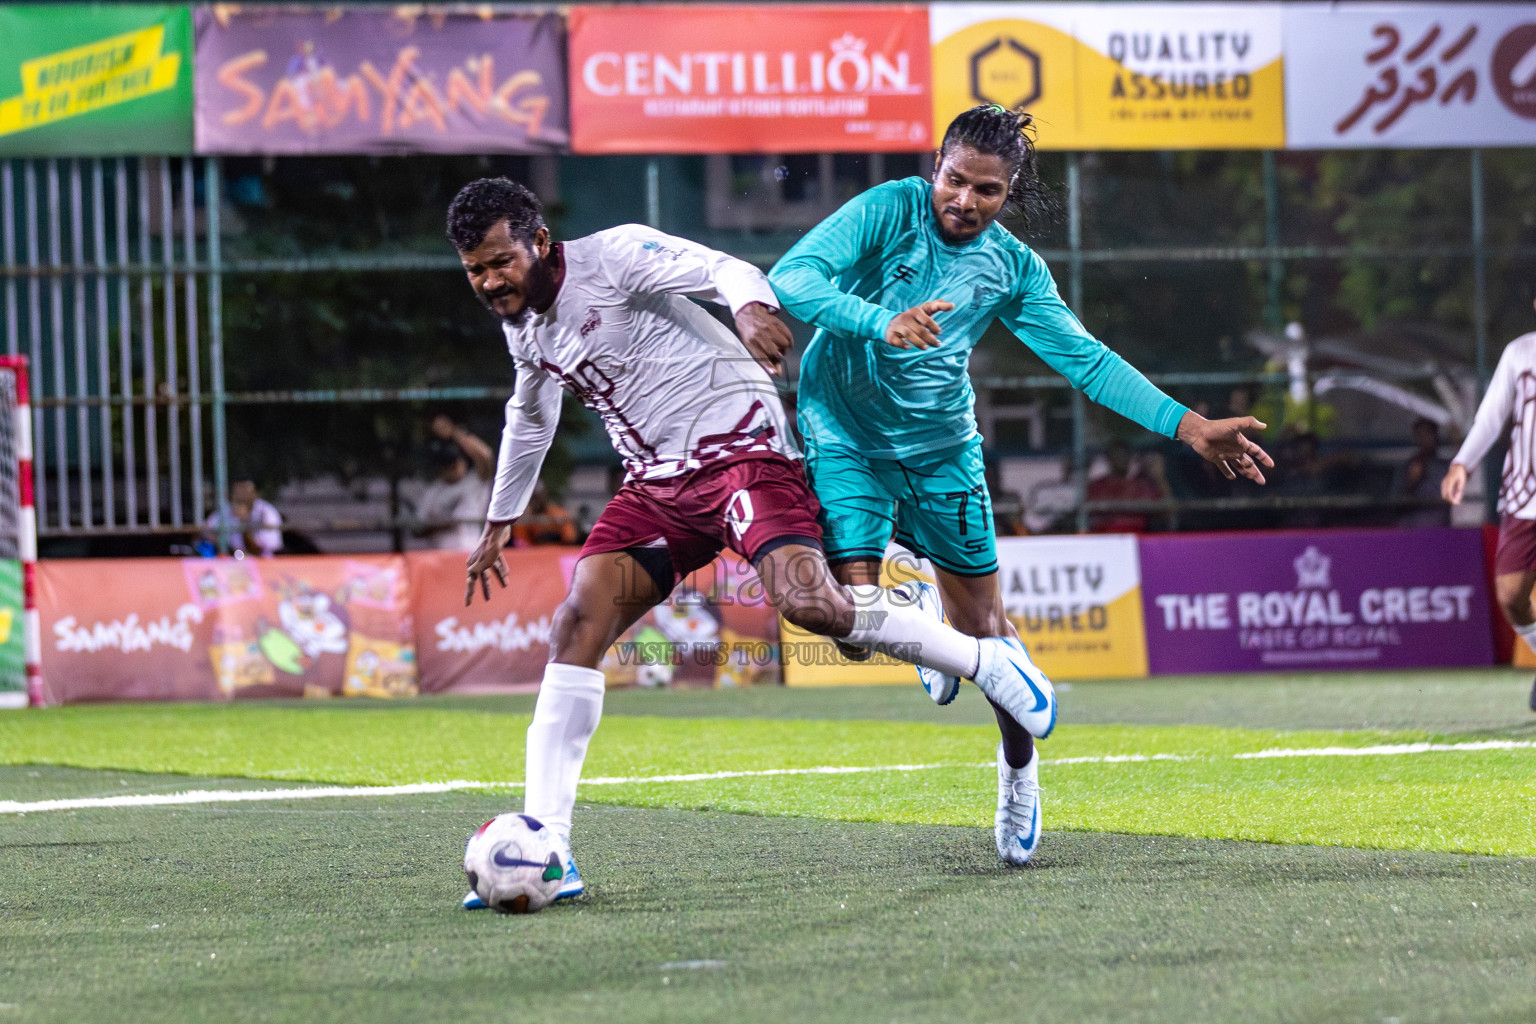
{"x": 675, "y": 389}
{"x": 1511, "y": 395}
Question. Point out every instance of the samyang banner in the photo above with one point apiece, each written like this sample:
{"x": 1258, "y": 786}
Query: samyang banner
{"x": 1116, "y": 76}
{"x": 399, "y": 79}
{"x": 98, "y": 80}
{"x": 749, "y": 79}
{"x": 1337, "y": 599}
{"x": 1410, "y": 75}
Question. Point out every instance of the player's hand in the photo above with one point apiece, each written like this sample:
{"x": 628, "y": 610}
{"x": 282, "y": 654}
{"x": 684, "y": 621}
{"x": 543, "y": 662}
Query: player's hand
{"x": 916, "y": 328}
{"x": 1224, "y": 443}
{"x": 486, "y": 560}
{"x": 1454, "y": 486}
{"x": 765, "y": 336}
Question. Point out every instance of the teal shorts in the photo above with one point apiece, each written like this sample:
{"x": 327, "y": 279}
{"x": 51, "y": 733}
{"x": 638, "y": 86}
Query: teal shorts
{"x": 935, "y": 505}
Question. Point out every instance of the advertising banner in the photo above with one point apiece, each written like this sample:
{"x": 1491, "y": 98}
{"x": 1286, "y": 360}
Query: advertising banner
{"x": 749, "y": 79}
{"x": 1116, "y": 76}
{"x": 398, "y": 79}
{"x": 218, "y": 629}
{"x": 1076, "y": 602}
{"x": 1410, "y": 75}
{"x": 99, "y": 80}
{"x": 1344, "y": 599}
{"x": 366, "y": 626}
{"x": 489, "y": 645}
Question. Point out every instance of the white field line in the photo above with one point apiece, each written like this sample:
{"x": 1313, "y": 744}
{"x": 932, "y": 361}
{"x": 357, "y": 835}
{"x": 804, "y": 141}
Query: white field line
{"x": 219, "y": 796}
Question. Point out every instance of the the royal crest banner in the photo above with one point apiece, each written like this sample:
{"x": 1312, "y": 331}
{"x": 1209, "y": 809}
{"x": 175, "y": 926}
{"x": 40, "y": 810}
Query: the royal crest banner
{"x": 1337, "y": 599}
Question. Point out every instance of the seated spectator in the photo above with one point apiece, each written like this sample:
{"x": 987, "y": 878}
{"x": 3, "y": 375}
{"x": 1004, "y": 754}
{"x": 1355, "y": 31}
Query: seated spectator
{"x": 250, "y": 524}
{"x": 544, "y": 522}
{"x": 452, "y": 507}
{"x": 1420, "y": 477}
{"x": 1120, "y": 484}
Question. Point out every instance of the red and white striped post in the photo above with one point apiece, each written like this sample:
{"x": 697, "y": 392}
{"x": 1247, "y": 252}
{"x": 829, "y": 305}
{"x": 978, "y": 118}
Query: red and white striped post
{"x": 26, "y": 540}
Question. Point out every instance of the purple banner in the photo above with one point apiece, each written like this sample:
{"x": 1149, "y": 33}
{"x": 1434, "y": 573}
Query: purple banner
{"x": 1345, "y": 599}
{"x": 400, "y": 79}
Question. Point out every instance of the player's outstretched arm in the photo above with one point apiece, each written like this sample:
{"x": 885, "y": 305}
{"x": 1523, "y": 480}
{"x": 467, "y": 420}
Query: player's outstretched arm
{"x": 485, "y": 560}
{"x": 916, "y": 328}
{"x": 1224, "y": 443}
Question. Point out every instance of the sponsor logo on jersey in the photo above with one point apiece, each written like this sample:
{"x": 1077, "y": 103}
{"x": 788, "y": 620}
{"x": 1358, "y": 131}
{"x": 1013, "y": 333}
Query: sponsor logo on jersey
{"x": 593, "y": 321}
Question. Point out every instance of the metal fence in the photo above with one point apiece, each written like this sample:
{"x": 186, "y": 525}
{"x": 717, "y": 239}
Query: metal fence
{"x": 113, "y": 283}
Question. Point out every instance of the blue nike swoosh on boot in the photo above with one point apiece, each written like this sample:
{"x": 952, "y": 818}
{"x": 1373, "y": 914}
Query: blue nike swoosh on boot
{"x": 1040, "y": 701}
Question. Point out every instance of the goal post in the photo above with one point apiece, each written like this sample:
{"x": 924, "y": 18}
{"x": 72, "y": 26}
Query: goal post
{"x": 21, "y": 680}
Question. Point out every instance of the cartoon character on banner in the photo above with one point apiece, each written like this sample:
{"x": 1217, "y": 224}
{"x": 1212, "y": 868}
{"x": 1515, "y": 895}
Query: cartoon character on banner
{"x": 215, "y": 584}
{"x": 379, "y": 668}
{"x": 238, "y": 661}
{"x": 309, "y": 625}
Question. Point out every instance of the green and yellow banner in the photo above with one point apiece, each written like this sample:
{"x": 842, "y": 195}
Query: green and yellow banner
{"x": 98, "y": 80}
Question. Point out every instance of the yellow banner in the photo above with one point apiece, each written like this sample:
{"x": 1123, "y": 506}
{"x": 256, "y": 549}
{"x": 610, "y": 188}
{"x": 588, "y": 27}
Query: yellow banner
{"x": 76, "y": 81}
{"x": 1121, "y": 76}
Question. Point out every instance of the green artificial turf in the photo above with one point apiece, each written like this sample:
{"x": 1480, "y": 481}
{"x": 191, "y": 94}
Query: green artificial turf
{"x": 346, "y": 910}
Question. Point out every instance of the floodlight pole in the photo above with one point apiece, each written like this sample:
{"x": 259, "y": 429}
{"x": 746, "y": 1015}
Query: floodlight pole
{"x": 1274, "y": 317}
{"x": 1075, "y": 296}
{"x": 213, "y": 193}
{"x": 653, "y": 192}
{"x": 1480, "y": 320}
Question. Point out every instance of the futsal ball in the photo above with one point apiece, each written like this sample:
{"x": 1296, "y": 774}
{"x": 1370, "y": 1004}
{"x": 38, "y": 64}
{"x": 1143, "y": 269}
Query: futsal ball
{"x": 514, "y": 863}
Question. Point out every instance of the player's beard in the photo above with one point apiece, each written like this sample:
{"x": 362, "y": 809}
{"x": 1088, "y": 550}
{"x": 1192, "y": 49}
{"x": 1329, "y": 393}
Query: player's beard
{"x": 540, "y": 286}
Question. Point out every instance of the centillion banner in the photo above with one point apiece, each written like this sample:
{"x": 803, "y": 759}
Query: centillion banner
{"x": 101, "y": 81}
{"x": 1116, "y": 76}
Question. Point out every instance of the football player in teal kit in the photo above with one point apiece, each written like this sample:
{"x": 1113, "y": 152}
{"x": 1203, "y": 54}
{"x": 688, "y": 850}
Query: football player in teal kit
{"x": 900, "y": 284}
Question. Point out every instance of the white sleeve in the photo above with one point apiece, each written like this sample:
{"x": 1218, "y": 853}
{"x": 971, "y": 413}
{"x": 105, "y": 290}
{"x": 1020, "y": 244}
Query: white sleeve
{"x": 533, "y": 412}
{"x": 1492, "y": 413}
{"x": 268, "y": 523}
{"x": 643, "y": 261}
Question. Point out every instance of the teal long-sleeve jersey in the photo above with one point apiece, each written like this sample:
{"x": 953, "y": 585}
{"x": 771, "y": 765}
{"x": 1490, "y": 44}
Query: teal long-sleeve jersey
{"x": 881, "y": 254}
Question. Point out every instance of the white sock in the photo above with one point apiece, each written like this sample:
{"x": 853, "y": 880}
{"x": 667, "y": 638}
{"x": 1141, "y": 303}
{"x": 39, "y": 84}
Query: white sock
{"x": 569, "y": 707}
{"x": 891, "y": 622}
{"x": 1528, "y": 634}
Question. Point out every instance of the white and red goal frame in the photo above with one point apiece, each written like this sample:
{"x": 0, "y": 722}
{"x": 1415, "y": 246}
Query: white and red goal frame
{"x": 26, "y": 524}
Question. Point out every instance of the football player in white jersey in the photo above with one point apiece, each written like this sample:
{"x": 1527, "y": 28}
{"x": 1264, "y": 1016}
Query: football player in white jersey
{"x": 1511, "y": 399}
{"x": 693, "y": 412}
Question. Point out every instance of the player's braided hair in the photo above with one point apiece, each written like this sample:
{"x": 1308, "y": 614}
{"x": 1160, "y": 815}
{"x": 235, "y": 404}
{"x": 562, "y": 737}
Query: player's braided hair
{"x": 997, "y": 131}
{"x": 486, "y": 202}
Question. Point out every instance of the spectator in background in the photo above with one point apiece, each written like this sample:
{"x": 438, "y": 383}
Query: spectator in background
{"x": 252, "y": 525}
{"x": 1421, "y": 476}
{"x": 544, "y": 522}
{"x": 452, "y": 507}
{"x": 1121, "y": 484}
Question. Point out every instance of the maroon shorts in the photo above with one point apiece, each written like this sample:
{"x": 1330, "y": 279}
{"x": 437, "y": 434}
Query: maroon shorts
{"x": 750, "y": 505}
{"x": 1517, "y": 546}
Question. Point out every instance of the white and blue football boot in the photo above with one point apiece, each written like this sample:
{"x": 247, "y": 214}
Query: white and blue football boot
{"x": 940, "y": 687}
{"x": 570, "y": 888}
{"x": 1013, "y": 682}
{"x": 573, "y": 886}
{"x": 1017, "y": 824}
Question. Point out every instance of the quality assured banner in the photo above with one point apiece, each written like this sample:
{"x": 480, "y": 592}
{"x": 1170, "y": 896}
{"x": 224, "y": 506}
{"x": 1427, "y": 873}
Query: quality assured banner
{"x": 1076, "y": 602}
{"x": 98, "y": 80}
{"x": 1410, "y": 75}
{"x": 1116, "y": 76}
{"x": 1346, "y": 599}
{"x": 749, "y": 79}
{"x": 400, "y": 79}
